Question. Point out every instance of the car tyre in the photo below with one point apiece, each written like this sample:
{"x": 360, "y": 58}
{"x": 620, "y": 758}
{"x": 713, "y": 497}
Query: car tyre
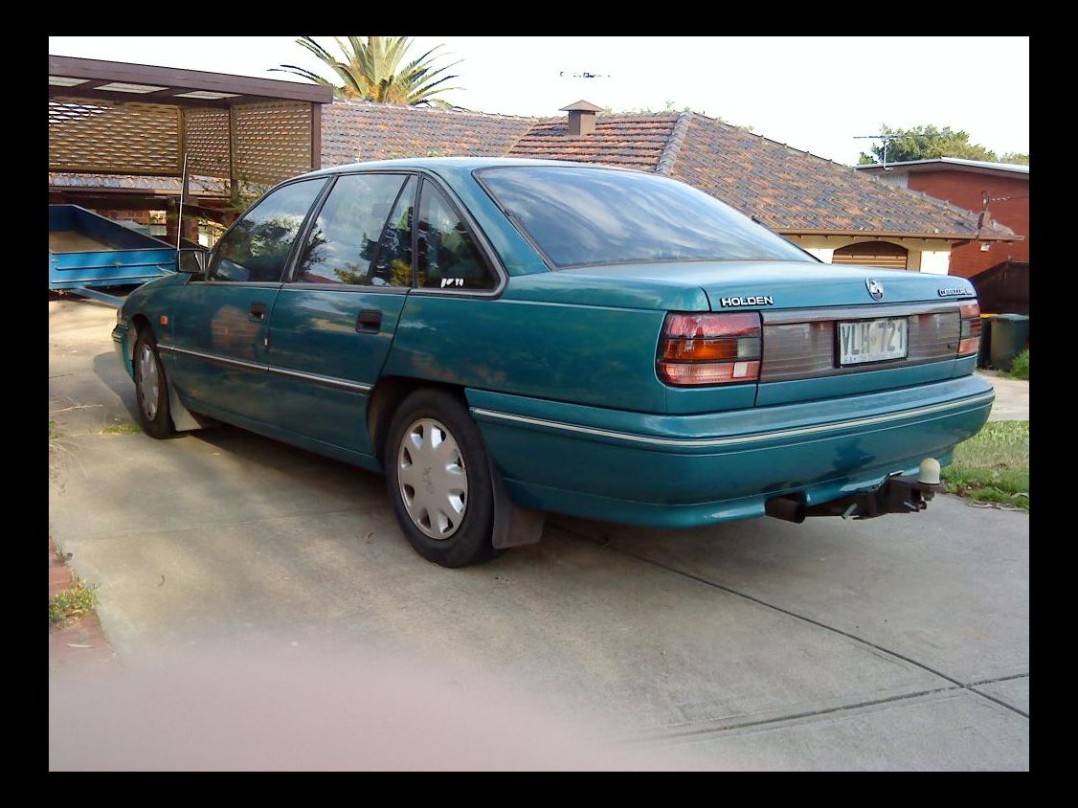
{"x": 151, "y": 388}
{"x": 439, "y": 480}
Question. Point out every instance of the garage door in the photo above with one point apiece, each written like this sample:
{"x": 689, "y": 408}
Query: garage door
{"x": 873, "y": 254}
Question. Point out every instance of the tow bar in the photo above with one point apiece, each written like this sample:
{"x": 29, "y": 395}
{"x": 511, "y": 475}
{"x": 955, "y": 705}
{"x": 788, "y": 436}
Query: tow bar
{"x": 898, "y": 493}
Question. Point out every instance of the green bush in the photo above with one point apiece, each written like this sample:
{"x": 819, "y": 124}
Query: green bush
{"x": 1020, "y": 366}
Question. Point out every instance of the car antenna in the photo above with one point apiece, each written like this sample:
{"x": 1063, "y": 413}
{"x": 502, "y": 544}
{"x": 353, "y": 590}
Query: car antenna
{"x": 179, "y": 213}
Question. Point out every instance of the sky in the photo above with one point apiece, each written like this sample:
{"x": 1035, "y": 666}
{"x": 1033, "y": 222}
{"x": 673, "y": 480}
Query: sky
{"x": 823, "y": 95}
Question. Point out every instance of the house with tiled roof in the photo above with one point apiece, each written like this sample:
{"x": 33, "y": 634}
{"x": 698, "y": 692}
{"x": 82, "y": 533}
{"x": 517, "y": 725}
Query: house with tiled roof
{"x": 831, "y": 210}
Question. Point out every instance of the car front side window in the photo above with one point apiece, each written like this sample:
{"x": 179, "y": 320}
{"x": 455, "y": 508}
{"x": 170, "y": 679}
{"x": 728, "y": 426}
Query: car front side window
{"x": 257, "y": 247}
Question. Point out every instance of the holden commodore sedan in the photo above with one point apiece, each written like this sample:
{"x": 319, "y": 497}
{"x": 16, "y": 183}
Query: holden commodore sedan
{"x": 505, "y": 338}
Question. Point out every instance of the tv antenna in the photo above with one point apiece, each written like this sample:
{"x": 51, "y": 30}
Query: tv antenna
{"x": 887, "y": 138}
{"x": 582, "y": 74}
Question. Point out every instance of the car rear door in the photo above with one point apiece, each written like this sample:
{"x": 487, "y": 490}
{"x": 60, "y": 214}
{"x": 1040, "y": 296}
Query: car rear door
{"x": 333, "y": 322}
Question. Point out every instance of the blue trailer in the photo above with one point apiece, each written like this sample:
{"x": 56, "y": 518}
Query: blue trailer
{"x": 89, "y": 253}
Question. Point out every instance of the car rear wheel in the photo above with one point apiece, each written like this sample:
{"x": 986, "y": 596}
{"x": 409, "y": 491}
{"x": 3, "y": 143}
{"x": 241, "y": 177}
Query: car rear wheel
{"x": 439, "y": 480}
{"x": 151, "y": 388}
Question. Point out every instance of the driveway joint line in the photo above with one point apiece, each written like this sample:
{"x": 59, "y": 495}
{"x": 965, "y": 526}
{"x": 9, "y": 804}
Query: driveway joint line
{"x": 720, "y": 726}
{"x": 789, "y": 613}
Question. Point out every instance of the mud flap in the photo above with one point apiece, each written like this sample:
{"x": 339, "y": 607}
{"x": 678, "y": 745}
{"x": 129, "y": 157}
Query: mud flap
{"x": 182, "y": 418}
{"x": 514, "y": 526}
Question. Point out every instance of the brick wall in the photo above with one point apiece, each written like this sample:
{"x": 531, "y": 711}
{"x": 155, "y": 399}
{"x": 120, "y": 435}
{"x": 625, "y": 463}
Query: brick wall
{"x": 966, "y": 189}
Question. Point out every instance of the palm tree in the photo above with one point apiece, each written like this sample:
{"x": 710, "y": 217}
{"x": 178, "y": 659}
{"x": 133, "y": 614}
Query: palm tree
{"x": 372, "y": 71}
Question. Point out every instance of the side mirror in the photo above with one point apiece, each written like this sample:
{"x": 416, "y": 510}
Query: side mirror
{"x": 191, "y": 260}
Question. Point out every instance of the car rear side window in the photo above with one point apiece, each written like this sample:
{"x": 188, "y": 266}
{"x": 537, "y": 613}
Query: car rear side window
{"x": 257, "y": 246}
{"x": 346, "y": 233}
{"x": 579, "y": 215}
{"x": 448, "y": 255}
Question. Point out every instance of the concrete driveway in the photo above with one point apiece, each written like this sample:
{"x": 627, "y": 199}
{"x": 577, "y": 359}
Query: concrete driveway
{"x": 266, "y": 613}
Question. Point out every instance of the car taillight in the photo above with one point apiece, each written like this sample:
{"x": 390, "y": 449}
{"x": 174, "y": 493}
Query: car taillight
{"x": 698, "y": 349}
{"x": 969, "y": 339}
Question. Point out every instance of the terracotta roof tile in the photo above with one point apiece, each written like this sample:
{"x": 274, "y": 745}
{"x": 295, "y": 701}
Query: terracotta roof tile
{"x": 793, "y": 191}
{"x": 356, "y": 131}
{"x": 619, "y": 140}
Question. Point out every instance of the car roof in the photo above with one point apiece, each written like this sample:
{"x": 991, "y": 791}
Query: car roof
{"x": 456, "y": 164}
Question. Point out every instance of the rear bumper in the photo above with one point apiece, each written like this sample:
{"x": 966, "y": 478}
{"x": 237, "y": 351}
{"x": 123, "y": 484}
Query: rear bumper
{"x": 701, "y": 469}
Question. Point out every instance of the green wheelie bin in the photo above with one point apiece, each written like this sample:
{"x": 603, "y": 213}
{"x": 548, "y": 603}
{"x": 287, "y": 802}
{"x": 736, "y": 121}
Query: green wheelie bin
{"x": 1010, "y": 335}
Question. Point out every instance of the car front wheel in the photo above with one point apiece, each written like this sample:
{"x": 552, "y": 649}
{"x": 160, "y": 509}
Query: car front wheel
{"x": 439, "y": 480}
{"x": 151, "y": 388}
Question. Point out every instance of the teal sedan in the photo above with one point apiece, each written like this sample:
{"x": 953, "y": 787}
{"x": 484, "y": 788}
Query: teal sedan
{"x": 505, "y": 338}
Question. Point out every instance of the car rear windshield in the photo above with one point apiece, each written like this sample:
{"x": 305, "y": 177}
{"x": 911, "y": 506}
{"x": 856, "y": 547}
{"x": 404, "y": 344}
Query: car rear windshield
{"x": 579, "y": 216}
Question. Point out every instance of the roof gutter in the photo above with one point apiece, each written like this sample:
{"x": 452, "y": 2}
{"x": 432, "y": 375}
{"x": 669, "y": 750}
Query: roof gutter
{"x": 879, "y": 234}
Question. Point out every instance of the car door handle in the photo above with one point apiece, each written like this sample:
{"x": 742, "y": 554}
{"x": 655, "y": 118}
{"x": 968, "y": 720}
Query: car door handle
{"x": 258, "y": 311}
{"x": 369, "y": 320}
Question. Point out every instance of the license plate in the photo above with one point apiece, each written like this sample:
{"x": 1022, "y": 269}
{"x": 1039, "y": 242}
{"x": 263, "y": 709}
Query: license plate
{"x": 873, "y": 340}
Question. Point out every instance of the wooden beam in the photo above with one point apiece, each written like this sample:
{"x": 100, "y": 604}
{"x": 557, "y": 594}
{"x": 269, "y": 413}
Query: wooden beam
{"x": 185, "y": 80}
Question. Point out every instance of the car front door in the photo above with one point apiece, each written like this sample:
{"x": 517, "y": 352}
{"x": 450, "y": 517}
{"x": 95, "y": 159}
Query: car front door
{"x": 220, "y": 328}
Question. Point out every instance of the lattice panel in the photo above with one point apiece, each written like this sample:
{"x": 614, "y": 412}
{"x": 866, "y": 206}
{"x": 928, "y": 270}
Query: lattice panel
{"x": 127, "y": 139}
{"x": 272, "y": 140}
{"x": 206, "y": 141}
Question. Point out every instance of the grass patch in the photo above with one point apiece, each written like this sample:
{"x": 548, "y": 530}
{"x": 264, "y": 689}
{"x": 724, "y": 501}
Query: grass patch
{"x": 993, "y": 466}
{"x": 73, "y": 603}
{"x": 121, "y": 429}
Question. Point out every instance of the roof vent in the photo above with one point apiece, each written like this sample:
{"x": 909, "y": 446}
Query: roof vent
{"x": 581, "y": 118}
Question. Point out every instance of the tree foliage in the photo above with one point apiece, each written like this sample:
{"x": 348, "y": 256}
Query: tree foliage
{"x": 929, "y": 142}
{"x": 1017, "y": 158}
{"x": 373, "y": 68}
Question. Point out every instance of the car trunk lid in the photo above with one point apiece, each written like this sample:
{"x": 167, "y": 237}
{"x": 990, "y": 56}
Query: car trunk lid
{"x": 819, "y": 322}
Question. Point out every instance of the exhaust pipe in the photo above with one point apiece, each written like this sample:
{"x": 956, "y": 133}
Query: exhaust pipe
{"x": 789, "y": 509}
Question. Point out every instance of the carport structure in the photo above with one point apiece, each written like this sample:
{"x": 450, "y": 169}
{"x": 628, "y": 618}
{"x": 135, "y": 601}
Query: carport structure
{"x": 134, "y": 137}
